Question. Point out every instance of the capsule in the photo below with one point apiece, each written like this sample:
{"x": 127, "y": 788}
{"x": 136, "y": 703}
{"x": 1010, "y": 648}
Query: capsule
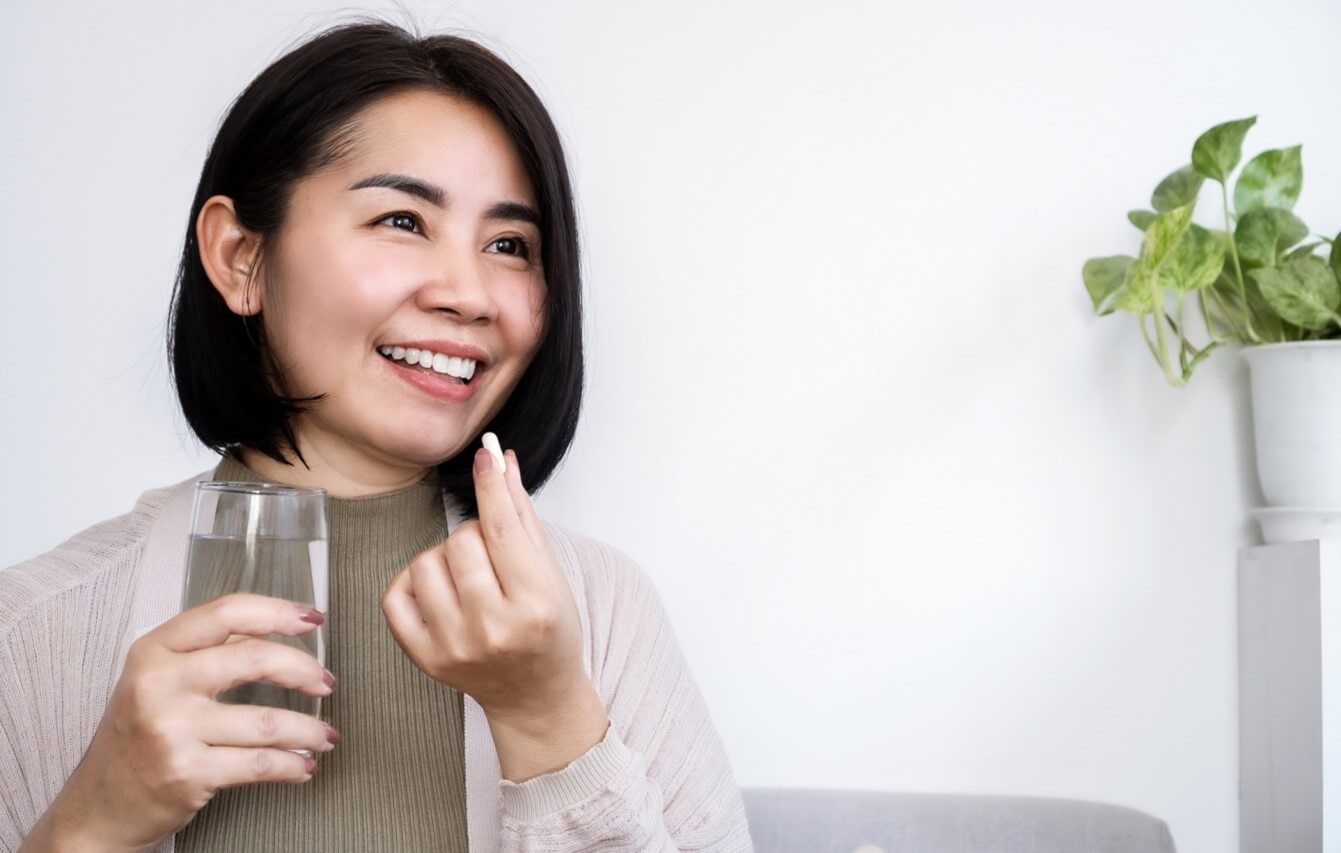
{"x": 491, "y": 444}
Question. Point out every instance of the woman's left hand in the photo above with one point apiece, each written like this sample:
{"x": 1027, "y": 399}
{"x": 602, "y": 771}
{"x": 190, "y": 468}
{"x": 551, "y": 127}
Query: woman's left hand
{"x": 490, "y": 613}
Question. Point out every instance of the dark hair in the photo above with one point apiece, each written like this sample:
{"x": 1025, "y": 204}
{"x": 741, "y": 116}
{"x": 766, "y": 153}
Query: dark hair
{"x": 296, "y": 118}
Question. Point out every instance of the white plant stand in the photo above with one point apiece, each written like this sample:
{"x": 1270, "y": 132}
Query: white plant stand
{"x": 1290, "y": 697}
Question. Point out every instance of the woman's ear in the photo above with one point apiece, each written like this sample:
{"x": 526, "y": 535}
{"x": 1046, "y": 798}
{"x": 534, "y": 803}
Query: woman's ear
{"x": 228, "y": 252}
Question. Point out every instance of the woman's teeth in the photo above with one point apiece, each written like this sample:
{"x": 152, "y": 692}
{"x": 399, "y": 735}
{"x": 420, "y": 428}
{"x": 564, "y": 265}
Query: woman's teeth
{"x": 457, "y": 368}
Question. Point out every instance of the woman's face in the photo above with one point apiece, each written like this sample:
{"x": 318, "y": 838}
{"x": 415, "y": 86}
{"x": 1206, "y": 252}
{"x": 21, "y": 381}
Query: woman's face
{"x": 359, "y": 269}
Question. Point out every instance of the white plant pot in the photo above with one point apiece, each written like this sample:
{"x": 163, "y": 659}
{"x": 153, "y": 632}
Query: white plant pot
{"x": 1296, "y": 405}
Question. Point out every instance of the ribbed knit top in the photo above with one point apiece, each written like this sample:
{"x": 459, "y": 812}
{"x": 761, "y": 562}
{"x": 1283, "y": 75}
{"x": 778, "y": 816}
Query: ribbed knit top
{"x": 396, "y": 781}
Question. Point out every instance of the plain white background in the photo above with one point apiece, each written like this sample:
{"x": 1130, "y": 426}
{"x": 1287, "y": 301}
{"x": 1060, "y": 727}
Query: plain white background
{"x": 921, "y": 521}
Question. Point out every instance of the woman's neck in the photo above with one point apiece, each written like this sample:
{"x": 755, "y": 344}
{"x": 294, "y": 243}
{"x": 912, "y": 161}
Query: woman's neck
{"x": 341, "y": 474}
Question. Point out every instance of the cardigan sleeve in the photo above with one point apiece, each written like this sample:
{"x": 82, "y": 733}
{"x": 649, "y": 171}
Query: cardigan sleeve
{"x": 61, "y": 644}
{"x": 23, "y": 791}
{"x": 660, "y": 780}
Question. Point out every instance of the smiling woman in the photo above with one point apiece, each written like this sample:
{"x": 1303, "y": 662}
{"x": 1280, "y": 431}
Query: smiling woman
{"x": 435, "y": 257}
{"x": 397, "y": 212}
{"x": 380, "y": 267}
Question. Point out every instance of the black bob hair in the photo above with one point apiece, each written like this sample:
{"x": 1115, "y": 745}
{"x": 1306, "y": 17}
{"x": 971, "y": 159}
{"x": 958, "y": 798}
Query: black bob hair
{"x": 294, "y": 119}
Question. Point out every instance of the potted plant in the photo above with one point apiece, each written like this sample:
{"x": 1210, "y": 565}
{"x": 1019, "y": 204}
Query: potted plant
{"x": 1262, "y": 281}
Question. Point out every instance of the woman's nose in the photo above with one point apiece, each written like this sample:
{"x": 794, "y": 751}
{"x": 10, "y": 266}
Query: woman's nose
{"x": 459, "y": 285}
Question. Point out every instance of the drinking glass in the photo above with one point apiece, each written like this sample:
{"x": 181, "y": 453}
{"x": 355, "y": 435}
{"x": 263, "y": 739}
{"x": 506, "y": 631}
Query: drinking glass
{"x": 269, "y": 539}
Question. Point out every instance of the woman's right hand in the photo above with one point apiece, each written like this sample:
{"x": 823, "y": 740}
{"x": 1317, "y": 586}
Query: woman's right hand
{"x": 165, "y": 745}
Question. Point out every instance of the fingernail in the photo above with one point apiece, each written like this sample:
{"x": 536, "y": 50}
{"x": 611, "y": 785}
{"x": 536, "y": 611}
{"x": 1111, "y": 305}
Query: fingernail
{"x": 332, "y": 736}
{"x": 310, "y": 765}
{"x": 328, "y": 677}
{"x": 483, "y": 460}
{"x": 307, "y": 614}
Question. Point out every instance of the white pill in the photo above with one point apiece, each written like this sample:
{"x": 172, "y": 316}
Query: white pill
{"x": 491, "y": 444}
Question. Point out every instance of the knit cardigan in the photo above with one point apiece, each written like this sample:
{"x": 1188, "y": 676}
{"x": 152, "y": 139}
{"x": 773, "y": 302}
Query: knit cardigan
{"x": 660, "y": 780}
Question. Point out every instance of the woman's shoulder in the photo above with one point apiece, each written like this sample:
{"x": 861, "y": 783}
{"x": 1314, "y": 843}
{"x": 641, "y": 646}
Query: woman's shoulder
{"x": 84, "y": 560}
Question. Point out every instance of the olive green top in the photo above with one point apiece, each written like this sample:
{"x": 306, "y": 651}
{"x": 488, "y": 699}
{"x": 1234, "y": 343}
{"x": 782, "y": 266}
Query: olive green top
{"x": 396, "y": 781}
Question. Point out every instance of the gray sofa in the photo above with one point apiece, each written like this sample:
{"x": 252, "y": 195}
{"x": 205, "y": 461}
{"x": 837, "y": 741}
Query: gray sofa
{"x": 812, "y": 820}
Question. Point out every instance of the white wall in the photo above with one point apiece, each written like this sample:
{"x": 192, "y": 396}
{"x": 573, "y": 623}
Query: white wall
{"x": 922, "y": 522}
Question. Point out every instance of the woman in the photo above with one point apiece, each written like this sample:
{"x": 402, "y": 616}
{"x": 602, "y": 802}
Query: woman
{"x": 377, "y": 212}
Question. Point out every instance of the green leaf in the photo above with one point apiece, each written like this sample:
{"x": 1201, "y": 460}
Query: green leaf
{"x": 1142, "y": 293}
{"x": 1164, "y": 233}
{"x": 1141, "y": 218}
{"x": 1264, "y": 234}
{"x": 1139, "y": 295}
{"x": 1177, "y": 189}
{"x": 1194, "y": 263}
{"x": 1224, "y": 238}
{"x": 1304, "y": 291}
{"x": 1266, "y": 324}
{"x": 1269, "y": 323}
{"x": 1217, "y": 151}
{"x": 1103, "y": 277}
{"x": 1303, "y": 250}
{"x": 1335, "y": 256}
{"x": 1271, "y": 179}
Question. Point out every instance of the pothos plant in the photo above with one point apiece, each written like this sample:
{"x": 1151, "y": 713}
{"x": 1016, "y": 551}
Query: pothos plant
{"x": 1260, "y": 280}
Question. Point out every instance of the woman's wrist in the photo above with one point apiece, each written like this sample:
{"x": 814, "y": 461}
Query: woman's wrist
{"x": 62, "y": 829}
{"x": 530, "y": 748}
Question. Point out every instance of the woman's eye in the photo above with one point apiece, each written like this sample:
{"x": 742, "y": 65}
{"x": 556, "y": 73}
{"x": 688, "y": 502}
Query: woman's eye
{"x": 516, "y": 246}
{"x": 520, "y": 247}
{"x": 403, "y": 216}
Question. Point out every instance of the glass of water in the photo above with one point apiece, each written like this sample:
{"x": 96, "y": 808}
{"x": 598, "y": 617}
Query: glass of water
{"x": 269, "y": 539}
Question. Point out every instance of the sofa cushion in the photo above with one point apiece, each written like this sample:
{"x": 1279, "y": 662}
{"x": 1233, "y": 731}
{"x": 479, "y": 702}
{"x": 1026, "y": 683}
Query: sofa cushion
{"x": 814, "y": 820}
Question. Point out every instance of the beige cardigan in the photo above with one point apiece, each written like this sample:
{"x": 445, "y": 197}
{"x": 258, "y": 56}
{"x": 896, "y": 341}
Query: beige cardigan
{"x": 660, "y": 780}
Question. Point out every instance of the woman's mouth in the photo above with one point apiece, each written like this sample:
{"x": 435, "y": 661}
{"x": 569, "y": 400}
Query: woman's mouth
{"x": 436, "y": 378}
{"x": 462, "y": 370}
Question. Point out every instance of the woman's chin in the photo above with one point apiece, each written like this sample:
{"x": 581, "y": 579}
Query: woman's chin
{"x": 415, "y": 451}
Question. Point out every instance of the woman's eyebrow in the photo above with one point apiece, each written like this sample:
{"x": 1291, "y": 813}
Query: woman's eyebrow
{"x": 437, "y": 196}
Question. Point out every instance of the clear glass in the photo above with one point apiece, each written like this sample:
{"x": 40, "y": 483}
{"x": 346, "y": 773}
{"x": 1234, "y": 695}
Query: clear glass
{"x": 268, "y": 539}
